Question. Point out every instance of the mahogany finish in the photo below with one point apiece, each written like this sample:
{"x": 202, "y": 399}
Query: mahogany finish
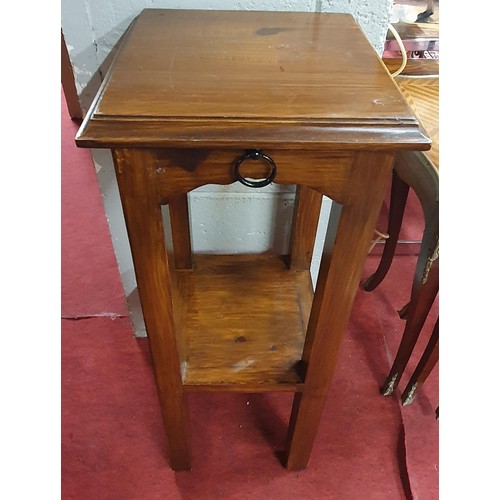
{"x": 423, "y": 296}
{"x": 189, "y": 93}
{"x": 399, "y": 195}
{"x": 427, "y": 362}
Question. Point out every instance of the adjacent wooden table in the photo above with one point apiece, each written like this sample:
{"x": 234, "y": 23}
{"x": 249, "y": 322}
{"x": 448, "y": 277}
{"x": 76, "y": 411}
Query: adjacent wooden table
{"x": 198, "y": 97}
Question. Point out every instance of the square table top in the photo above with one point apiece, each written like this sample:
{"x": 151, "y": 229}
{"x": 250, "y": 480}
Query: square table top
{"x": 195, "y": 77}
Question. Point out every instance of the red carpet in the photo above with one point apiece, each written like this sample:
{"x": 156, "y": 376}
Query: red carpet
{"x": 368, "y": 446}
{"x": 113, "y": 442}
{"x": 421, "y": 426}
{"x": 91, "y": 283}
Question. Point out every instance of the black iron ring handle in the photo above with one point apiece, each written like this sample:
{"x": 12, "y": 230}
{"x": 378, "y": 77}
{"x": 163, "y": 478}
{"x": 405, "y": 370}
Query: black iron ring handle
{"x": 254, "y": 154}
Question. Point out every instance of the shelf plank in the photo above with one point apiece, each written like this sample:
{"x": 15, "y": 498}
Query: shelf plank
{"x": 245, "y": 323}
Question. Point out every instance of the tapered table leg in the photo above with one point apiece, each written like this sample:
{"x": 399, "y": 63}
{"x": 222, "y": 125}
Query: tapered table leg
{"x": 338, "y": 281}
{"x": 136, "y": 181}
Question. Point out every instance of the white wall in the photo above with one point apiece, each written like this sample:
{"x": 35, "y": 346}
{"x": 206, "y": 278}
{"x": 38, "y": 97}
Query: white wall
{"x": 224, "y": 219}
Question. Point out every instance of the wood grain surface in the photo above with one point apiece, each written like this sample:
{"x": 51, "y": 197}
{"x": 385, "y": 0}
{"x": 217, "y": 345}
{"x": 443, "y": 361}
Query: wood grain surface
{"x": 181, "y": 170}
{"x": 423, "y": 96}
{"x": 246, "y": 323}
{"x": 229, "y": 77}
{"x": 345, "y": 250}
{"x": 304, "y": 227}
{"x": 187, "y": 94}
{"x": 140, "y": 202}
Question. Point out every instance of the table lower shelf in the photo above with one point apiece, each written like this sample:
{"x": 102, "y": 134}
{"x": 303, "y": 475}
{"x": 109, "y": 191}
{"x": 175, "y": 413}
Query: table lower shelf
{"x": 242, "y": 320}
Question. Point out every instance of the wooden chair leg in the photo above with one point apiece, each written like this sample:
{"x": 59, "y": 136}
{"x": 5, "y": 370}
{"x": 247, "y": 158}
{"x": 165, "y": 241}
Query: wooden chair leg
{"x": 419, "y": 307}
{"x": 399, "y": 195}
{"x": 424, "y": 367}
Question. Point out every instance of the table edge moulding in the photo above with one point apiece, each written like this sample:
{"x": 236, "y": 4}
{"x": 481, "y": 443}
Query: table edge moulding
{"x": 303, "y": 99}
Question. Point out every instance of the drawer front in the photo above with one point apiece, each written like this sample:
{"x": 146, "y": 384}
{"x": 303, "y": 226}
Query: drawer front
{"x": 181, "y": 170}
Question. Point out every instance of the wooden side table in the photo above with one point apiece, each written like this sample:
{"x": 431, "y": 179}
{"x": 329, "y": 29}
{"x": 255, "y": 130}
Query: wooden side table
{"x": 198, "y": 97}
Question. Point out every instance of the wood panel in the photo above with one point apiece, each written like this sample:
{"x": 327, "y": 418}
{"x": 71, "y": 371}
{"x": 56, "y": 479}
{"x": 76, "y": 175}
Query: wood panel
{"x": 245, "y": 324}
{"x": 181, "y": 170}
{"x": 423, "y": 96}
{"x": 254, "y": 65}
{"x": 414, "y": 67}
{"x": 250, "y": 79}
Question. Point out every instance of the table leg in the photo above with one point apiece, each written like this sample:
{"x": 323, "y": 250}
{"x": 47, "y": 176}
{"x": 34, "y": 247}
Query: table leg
{"x": 181, "y": 235}
{"x": 418, "y": 310}
{"x": 304, "y": 228}
{"x": 341, "y": 267}
{"x": 399, "y": 195}
{"x": 135, "y": 172}
{"x": 425, "y": 365}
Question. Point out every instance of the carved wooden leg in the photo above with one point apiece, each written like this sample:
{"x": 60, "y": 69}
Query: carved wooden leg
{"x": 135, "y": 170}
{"x": 342, "y": 263}
{"x": 419, "y": 307}
{"x": 426, "y": 364}
{"x": 399, "y": 195}
{"x": 424, "y": 290}
{"x": 305, "y": 224}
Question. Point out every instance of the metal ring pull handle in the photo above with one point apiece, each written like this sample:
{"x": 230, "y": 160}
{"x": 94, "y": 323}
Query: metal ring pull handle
{"x": 254, "y": 154}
